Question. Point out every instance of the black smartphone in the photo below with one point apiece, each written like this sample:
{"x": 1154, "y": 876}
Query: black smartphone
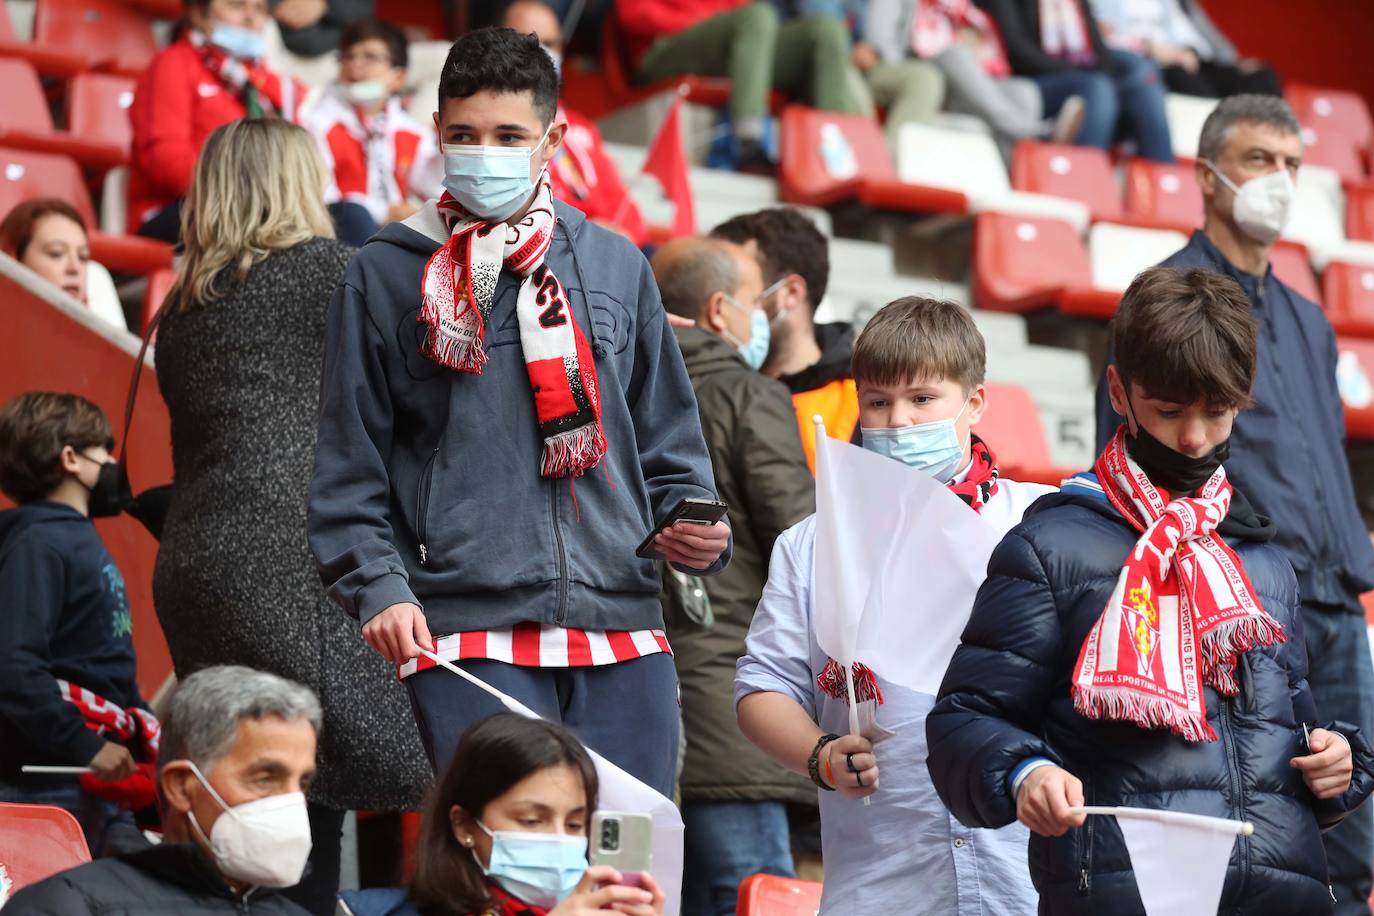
{"x": 695, "y": 511}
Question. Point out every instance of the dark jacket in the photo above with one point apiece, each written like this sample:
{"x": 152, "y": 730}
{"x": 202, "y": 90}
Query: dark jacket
{"x": 413, "y": 453}
{"x": 1018, "y": 21}
{"x": 751, "y": 434}
{"x": 175, "y": 879}
{"x": 1288, "y": 448}
{"x": 1006, "y": 698}
{"x": 836, "y": 341}
{"x": 63, "y": 614}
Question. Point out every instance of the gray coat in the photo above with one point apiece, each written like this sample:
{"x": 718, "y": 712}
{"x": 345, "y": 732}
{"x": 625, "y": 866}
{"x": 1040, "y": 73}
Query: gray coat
{"x": 235, "y": 582}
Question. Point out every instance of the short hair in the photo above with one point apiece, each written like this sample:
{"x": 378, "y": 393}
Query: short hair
{"x": 208, "y": 706}
{"x": 361, "y": 30}
{"x": 689, "y": 277}
{"x": 919, "y": 338}
{"x": 788, "y": 243}
{"x": 1260, "y": 109}
{"x": 34, "y": 428}
{"x": 501, "y": 60}
{"x": 16, "y": 232}
{"x": 1186, "y": 336}
{"x": 492, "y": 756}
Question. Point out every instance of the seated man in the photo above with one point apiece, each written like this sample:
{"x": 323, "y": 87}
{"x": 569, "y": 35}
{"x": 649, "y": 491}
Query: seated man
{"x": 582, "y": 173}
{"x": 237, "y": 754}
{"x": 807, "y": 58}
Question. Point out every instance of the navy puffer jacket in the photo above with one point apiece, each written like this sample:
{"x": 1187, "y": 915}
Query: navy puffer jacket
{"x": 1005, "y": 698}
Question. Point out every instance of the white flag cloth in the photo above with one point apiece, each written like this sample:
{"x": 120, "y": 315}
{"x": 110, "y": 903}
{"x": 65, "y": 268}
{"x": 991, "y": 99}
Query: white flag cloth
{"x": 1179, "y": 859}
{"x": 898, "y": 560}
{"x": 619, "y": 792}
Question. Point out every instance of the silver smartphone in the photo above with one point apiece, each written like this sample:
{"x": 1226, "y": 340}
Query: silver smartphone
{"x": 622, "y": 840}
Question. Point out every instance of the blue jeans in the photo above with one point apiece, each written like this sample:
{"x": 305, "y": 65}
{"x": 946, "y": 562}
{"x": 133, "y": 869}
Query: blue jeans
{"x": 109, "y": 829}
{"x": 727, "y": 842}
{"x": 626, "y": 712}
{"x": 1341, "y": 677}
{"x": 1130, "y": 102}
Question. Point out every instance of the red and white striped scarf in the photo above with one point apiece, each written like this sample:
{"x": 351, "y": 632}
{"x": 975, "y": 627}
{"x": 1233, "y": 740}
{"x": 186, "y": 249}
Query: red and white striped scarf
{"x": 458, "y": 287}
{"x": 1182, "y": 611}
{"x": 252, "y": 83}
{"x": 115, "y": 722}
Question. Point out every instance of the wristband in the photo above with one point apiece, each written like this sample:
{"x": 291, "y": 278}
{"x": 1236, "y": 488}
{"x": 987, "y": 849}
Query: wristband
{"x": 813, "y": 763}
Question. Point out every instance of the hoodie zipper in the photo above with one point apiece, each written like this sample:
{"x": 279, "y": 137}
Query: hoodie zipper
{"x": 1233, "y": 782}
{"x": 422, "y": 505}
{"x": 1085, "y": 871}
{"x": 562, "y": 611}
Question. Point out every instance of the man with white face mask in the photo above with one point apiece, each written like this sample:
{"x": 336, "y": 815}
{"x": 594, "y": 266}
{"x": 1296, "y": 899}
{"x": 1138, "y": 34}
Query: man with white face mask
{"x": 237, "y": 754}
{"x": 1288, "y": 447}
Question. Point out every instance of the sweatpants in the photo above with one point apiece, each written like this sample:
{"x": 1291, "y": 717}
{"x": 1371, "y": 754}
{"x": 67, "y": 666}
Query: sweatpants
{"x": 626, "y": 712}
{"x": 909, "y": 91}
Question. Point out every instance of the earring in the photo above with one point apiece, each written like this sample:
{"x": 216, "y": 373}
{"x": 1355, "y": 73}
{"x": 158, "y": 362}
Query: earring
{"x": 466, "y": 841}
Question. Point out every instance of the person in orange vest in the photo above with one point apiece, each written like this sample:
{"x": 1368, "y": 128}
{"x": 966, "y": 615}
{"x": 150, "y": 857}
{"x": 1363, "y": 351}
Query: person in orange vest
{"x": 811, "y": 359}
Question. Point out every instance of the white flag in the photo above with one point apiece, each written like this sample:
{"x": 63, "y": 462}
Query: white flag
{"x": 898, "y": 561}
{"x": 1179, "y": 859}
{"x": 619, "y": 791}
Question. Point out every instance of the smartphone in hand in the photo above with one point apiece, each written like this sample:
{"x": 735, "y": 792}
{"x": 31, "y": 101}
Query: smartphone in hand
{"x": 705, "y": 512}
{"x": 622, "y": 840}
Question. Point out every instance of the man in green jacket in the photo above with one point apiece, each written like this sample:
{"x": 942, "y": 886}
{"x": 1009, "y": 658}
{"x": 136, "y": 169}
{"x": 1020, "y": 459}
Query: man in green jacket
{"x": 733, "y": 797}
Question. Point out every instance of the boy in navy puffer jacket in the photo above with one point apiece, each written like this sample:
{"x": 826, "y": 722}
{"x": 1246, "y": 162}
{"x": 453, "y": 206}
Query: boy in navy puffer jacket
{"x": 1074, "y": 683}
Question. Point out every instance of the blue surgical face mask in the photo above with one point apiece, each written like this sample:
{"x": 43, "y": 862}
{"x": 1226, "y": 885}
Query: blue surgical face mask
{"x": 490, "y": 182}
{"x": 242, "y": 43}
{"x": 760, "y": 332}
{"x": 539, "y": 868}
{"x": 934, "y": 448}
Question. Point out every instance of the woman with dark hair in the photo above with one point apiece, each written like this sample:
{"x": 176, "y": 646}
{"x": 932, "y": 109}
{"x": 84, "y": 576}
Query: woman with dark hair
{"x": 505, "y": 833}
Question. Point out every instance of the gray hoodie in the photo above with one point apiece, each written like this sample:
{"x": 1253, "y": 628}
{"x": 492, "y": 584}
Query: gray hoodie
{"x": 427, "y": 486}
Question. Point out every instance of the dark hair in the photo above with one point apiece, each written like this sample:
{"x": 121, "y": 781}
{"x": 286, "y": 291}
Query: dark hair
{"x": 918, "y": 338}
{"x": 1186, "y": 336}
{"x": 502, "y": 60}
{"x": 492, "y": 756}
{"x": 34, "y": 428}
{"x": 788, "y": 243}
{"x": 361, "y": 30}
{"x": 16, "y": 232}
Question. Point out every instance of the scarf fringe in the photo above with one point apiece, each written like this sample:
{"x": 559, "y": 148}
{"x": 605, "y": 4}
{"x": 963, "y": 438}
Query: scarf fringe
{"x": 574, "y": 452}
{"x": 448, "y": 350}
{"x": 1127, "y": 705}
{"x": 1223, "y": 645}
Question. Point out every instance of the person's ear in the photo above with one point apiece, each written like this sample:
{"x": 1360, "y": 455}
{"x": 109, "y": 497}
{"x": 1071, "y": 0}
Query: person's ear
{"x": 1116, "y": 391}
{"x": 463, "y": 826}
{"x": 555, "y": 140}
{"x": 177, "y": 780}
{"x": 977, "y": 405}
{"x": 1206, "y": 178}
{"x": 713, "y": 313}
{"x": 70, "y": 460}
{"x": 797, "y": 292}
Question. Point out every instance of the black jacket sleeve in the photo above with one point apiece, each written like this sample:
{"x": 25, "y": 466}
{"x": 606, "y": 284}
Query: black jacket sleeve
{"x": 1024, "y": 53}
{"x": 32, "y": 579}
{"x": 57, "y": 896}
{"x": 986, "y": 719}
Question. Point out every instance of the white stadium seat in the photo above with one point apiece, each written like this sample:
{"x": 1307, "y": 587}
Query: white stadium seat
{"x": 1117, "y": 253}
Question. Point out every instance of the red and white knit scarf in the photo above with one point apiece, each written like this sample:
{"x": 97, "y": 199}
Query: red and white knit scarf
{"x": 133, "y": 725}
{"x": 1182, "y": 611}
{"x": 254, "y": 85}
{"x": 458, "y": 286}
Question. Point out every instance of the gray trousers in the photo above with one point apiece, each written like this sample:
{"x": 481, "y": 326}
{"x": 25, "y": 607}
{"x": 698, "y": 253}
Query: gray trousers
{"x": 1010, "y": 105}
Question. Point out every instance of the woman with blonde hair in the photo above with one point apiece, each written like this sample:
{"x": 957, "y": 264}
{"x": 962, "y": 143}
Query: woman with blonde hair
{"x": 238, "y": 361}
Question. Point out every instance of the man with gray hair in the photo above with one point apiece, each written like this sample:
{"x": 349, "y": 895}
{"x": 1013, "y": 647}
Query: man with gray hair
{"x": 237, "y": 754}
{"x": 1288, "y": 456}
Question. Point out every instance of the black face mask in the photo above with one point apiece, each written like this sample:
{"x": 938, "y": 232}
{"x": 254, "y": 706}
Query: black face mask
{"x": 107, "y": 496}
{"x": 1172, "y": 470}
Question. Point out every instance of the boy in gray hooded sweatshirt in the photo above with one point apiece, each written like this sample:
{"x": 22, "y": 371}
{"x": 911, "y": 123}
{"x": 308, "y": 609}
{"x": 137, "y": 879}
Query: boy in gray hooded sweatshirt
{"x": 480, "y": 358}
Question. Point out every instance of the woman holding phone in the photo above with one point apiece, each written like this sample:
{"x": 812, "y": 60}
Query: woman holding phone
{"x": 506, "y": 833}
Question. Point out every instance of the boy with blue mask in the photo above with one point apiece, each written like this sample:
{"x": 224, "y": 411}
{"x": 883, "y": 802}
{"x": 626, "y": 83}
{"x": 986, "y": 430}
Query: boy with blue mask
{"x": 480, "y": 356}
{"x": 918, "y": 366}
{"x": 733, "y": 797}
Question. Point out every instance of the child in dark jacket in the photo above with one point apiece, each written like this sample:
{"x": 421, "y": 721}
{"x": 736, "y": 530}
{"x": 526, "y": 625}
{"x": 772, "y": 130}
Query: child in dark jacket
{"x": 1077, "y": 682}
{"x": 68, "y": 694}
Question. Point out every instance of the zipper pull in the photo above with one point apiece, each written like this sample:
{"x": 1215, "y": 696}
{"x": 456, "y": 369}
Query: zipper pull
{"x": 424, "y": 555}
{"x": 1083, "y": 881}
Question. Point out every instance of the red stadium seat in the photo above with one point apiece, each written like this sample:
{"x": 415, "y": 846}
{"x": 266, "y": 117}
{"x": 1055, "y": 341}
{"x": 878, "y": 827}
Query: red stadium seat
{"x": 25, "y": 122}
{"x": 1349, "y": 295}
{"x": 1355, "y": 380}
{"x": 47, "y": 61}
{"x": 159, "y": 285}
{"x": 98, "y": 109}
{"x": 103, "y": 34}
{"x": 1075, "y": 172}
{"x": 1292, "y": 265}
{"x": 769, "y": 895}
{"x": 1021, "y": 264}
{"x": 1163, "y": 195}
{"x": 25, "y": 175}
{"x": 1333, "y": 110}
{"x": 1329, "y": 148}
{"x": 1359, "y": 212}
{"x": 1013, "y": 423}
{"x": 37, "y": 842}
{"x": 804, "y": 178}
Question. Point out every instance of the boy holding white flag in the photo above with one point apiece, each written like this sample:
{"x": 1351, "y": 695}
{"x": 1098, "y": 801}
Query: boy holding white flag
{"x": 901, "y": 528}
{"x": 1137, "y": 644}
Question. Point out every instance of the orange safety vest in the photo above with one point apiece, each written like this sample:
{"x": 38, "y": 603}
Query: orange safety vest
{"x": 837, "y": 403}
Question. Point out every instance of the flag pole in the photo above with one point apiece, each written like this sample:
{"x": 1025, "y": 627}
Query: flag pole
{"x": 1243, "y": 828}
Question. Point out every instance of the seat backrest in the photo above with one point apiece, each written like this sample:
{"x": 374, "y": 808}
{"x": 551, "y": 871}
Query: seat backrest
{"x": 98, "y": 108}
{"x": 1186, "y": 114}
{"x": 826, "y": 155}
{"x": 1317, "y": 215}
{"x": 1118, "y": 253}
{"x": 38, "y": 841}
{"x": 1291, "y": 265}
{"x": 159, "y": 285}
{"x": 24, "y": 108}
{"x": 1163, "y": 194}
{"x": 1349, "y": 291}
{"x": 1355, "y": 382}
{"x": 956, "y": 160}
{"x": 25, "y": 175}
{"x": 104, "y": 30}
{"x": 1076, "y": 172}
{"x": 1020, "y": 260}
{"x": 1327, "y": 146}
{"x": 1333, "y": 109}
{"x": 1359, "y": 213}
{"x": 769, "y": 895}
{"x": 1012, "y": 423}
